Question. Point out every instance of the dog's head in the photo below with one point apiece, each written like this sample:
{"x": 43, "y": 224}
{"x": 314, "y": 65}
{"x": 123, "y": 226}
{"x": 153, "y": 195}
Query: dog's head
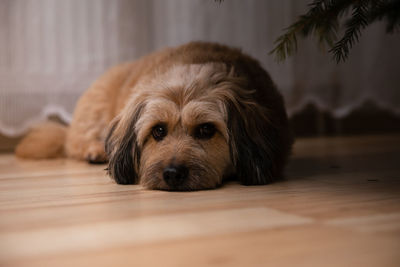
{"x": 189, "y": 128}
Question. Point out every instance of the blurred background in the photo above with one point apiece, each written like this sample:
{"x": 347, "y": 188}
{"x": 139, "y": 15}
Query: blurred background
{"x": 51, "y": 51}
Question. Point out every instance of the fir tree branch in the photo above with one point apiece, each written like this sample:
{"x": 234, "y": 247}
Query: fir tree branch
{"x": 388, "y": 10}
{"x": 322, "y": 22}
{"x": 354, "y": 25}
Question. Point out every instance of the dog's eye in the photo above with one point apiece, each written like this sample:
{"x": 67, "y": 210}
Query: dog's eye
{"x": 159, "y": 132}
{"x": 205, "y": 131}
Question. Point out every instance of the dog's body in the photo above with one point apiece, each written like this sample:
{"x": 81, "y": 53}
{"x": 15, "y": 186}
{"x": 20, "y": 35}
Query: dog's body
{"x": 180, "y": 119}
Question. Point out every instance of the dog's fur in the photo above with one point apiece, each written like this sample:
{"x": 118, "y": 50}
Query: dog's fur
{"x": 180, "y": 89}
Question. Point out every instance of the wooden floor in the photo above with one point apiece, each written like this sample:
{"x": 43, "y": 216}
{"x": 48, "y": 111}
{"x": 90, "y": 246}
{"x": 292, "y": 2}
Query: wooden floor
{"x": 339, "y": 206}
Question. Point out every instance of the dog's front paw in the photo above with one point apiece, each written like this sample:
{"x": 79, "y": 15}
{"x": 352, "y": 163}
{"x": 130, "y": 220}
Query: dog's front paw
{"x": 95, "y": 153}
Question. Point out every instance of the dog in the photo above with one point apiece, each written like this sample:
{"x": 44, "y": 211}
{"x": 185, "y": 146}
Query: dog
{"x": 183, "y": 118}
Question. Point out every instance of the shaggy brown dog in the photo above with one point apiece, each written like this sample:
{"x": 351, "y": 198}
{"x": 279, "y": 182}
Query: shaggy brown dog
{"x": 183, "y": 118}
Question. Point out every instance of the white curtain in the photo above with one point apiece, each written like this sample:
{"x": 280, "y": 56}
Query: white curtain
{"x": 50, "y": 52}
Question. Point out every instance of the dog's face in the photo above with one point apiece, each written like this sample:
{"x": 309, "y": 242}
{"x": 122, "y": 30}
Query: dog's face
{"x": 183, "y": 147}
{"x": 187, "y": 129}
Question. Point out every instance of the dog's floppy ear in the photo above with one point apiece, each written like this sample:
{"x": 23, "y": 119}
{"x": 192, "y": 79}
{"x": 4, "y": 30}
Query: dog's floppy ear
{"x": 122, "y": 149}
{"x": 258, "y": 148}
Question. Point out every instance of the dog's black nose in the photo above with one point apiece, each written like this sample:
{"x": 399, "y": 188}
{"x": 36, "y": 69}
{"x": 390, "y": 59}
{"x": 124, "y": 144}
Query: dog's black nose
{"x": 175, "y": 175}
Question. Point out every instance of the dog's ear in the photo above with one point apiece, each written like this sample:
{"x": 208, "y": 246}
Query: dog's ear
{"x": 259, "y": 146}
{"x": 122, "y": 149}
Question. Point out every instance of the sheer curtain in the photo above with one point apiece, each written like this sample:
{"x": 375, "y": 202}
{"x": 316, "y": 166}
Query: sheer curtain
{"x": 50, "y": 52}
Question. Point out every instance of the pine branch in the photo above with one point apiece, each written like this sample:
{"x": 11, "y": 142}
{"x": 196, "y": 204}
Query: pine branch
{"x": 322, "y": 22}
{"x": 388, "y": 10}
{"x": 354, "y": 25}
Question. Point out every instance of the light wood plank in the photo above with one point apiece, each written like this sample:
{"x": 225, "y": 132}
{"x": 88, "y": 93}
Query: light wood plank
{"x": 338, "y": 206}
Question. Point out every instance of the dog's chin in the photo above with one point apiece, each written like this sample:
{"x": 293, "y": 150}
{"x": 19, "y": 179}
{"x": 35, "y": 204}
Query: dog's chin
{"x": 184, "y": 188}
{"x": 199, "y": 177}
{"x": 188, "y": 185}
